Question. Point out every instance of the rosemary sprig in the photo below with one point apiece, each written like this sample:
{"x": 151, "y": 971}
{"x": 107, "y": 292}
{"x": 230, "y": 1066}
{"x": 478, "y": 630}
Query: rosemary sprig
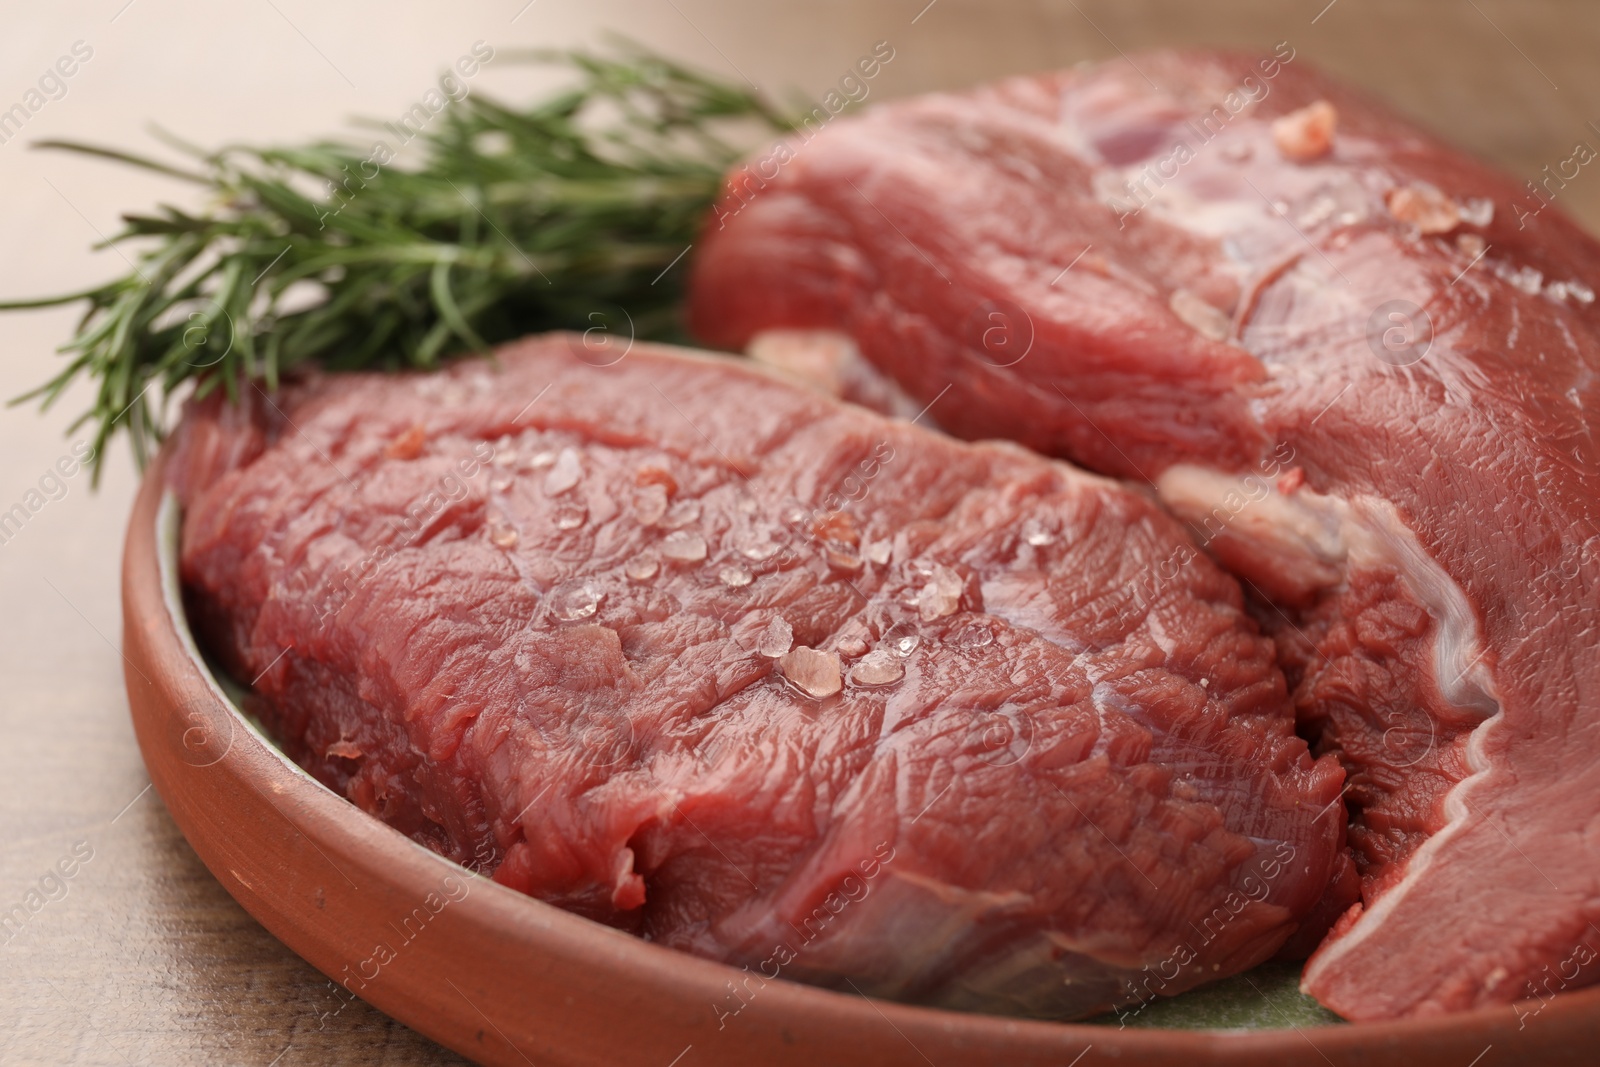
{"x": 558, "y": 215}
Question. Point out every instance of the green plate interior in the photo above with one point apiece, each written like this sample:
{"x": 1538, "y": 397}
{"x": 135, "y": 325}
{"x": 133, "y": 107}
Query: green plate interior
{"x": 1266, "y": 998}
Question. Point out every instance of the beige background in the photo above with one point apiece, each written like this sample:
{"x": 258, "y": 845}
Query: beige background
{"x": 145, "y": 959}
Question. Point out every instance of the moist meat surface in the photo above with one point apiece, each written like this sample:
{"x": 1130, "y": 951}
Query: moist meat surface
{"x": 1364, "y": 367}
{"x": 710, "y": 657}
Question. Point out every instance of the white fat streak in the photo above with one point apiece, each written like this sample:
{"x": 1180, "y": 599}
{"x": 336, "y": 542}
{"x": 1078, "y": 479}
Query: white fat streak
{"x": 1333, "y": 535}
{"x": 1372, "y": 920}
{"x": 822, "y": 359}
{"x": 1268, "y": 517}
{"x": 831, "y": 362}
{"x": 1463, "y": 679}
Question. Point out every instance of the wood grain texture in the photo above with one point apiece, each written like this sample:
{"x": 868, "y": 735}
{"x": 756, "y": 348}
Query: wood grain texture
{"x": 143, "y": 959}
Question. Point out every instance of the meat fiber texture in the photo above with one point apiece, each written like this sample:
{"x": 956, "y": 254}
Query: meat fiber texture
{"x": 1362, "y": 366}
{"x": 717, "y": 659}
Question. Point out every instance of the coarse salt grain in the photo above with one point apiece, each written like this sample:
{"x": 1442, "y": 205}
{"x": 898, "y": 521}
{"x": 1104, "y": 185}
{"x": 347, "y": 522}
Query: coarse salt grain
{"x": 880, "y": 667}
{"x": 1425, "y": 207}
{"x": 812, "y": 672}
{"x": 1307, "y": 133}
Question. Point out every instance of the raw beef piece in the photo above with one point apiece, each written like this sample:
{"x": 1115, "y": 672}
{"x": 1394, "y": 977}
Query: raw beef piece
{"x": 715, "y": 658}
{"x": 1362, "y": 366}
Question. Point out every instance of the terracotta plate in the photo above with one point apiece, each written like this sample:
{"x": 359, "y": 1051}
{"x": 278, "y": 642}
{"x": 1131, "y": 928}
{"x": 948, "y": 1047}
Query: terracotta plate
{"x": 507, "y": 980}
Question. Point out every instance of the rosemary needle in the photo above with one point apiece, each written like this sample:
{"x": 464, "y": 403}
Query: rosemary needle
{"x": 558, "y": 215}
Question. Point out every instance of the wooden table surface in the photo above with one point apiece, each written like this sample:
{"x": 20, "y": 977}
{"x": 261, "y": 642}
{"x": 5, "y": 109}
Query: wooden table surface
{"x": 139, "y": 957}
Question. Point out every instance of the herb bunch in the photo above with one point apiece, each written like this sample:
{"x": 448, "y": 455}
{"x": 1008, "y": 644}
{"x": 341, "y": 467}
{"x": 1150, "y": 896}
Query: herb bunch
{"x": 566, "y": 214}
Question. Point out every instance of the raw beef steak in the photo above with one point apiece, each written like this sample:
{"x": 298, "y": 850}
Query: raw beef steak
{"x": 1363, "y": 367}
{"x": 715, "y": 658}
